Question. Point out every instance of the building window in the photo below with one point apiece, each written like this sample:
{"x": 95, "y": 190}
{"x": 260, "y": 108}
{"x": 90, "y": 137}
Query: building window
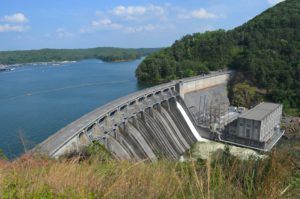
{"x": 256, "y": 125}
{"x": 247, "y": 133}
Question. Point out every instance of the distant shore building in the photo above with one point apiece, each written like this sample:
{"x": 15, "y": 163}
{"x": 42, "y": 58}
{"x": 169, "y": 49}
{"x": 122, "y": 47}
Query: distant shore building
{"x": 257, "y": 128}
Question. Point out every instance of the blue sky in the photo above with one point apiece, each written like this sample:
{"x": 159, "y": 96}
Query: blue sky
{"x": 35, "y": 24}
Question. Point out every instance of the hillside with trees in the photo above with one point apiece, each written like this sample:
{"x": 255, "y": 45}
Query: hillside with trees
{"x": 265, "y": 52}
{"x": 48, "y": 55}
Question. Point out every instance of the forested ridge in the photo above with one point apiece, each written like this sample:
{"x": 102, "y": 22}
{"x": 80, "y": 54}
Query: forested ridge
{"x": 48, "y": 55}
{"x": 265, "y": 52}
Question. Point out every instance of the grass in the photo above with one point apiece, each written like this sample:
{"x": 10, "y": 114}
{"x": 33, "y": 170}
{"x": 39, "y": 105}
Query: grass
{"x": 96, "y": 175}
{"x": 292, "y": 111}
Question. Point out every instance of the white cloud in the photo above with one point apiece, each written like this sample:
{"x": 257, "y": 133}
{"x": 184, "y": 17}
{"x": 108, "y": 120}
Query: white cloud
{"x": 85, "y": 30}
{"x": 273, "y": 2}
{"x": 133, "y": 12}
{"x": 13, "y": 28}
{"x": 148, "y": 28}
{"x": 15, "y": 18}
{"x": 202, "y": 14}
{"x": 106, "y": 23}
{"x": 130, "y": 10}
{"x": 102, "y": 24}
{"x": 196, "y": 14}
{"x": 98, "y": 13}
{"x": 157, "y": 10}
{"x": 63, "y": 34}
{"x": 143, "y": 18}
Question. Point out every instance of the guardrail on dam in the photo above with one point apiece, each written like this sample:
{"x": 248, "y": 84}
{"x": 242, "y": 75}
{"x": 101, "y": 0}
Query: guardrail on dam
{"x": 150, "y": 123}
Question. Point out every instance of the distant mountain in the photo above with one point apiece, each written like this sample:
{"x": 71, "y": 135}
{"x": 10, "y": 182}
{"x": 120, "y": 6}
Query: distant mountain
{"x": 265, "y": 51}
{"x": 48, "y": 55}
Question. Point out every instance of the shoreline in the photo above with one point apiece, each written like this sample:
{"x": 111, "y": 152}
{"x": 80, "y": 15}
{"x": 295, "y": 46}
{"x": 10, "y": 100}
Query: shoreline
{"x": 11, "y": 67}
{"x": 36, "y": 63}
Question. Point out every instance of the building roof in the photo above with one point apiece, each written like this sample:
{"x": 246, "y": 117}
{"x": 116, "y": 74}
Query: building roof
{"x": 260, "y": 111}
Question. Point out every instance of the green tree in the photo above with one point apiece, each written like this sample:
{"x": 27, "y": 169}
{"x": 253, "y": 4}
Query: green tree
{"x": 244, "y": 95}
{"x": 265, "y": 50}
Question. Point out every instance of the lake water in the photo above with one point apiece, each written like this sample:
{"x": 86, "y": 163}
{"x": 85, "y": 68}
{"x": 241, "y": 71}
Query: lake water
{"x": 36, "y": 101}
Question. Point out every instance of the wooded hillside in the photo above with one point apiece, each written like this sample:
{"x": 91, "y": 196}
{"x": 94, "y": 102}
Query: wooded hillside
{"x": 265, "y": 51}
{"x": 48, "y": 55}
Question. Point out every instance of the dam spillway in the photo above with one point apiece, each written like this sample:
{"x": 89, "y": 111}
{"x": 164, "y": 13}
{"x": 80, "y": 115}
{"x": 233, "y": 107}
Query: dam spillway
{"x": 149, "y": 124}
{"x": 157, "y": 132}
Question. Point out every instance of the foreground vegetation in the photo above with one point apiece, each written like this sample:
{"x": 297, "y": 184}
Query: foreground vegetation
{"x": 49, "y": 55}
{"x": 265, "y": 52}
{"x": 96, "y": 175}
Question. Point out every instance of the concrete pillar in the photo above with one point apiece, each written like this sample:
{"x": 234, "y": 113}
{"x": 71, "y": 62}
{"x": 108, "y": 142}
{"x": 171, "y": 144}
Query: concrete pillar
{"x": 158, "y": 107}
{"x": 107, "y": 122}
{"x": 166, "y": 104}
{"x": 179, "y": 88}
{"x": 150, "y": 111}
{"x": 143, "y": 115}
{"x": 135, "y": 122}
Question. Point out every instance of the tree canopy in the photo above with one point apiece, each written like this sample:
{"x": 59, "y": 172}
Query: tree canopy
{"x": 48, "y": 55}
{"x": 265, "y": 50}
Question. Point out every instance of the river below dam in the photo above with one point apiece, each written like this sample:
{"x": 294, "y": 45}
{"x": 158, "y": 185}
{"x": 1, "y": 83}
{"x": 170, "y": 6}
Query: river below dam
{"x": 36, "y": 100}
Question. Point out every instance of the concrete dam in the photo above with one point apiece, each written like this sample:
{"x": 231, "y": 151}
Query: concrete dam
{"x": 148, "y": 124}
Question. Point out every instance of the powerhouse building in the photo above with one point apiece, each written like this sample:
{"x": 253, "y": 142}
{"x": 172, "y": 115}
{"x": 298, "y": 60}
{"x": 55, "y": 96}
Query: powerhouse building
{"x": 258, "y": 127}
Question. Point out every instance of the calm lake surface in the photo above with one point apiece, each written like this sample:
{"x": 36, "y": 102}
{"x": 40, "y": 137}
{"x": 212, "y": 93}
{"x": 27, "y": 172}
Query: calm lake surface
{"x": 36, "y": 101}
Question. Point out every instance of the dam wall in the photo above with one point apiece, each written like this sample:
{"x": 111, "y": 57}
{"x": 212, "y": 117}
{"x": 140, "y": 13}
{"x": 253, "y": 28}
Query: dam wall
{"x": 197, "y": 83}
{"x": 148, "y": 124}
